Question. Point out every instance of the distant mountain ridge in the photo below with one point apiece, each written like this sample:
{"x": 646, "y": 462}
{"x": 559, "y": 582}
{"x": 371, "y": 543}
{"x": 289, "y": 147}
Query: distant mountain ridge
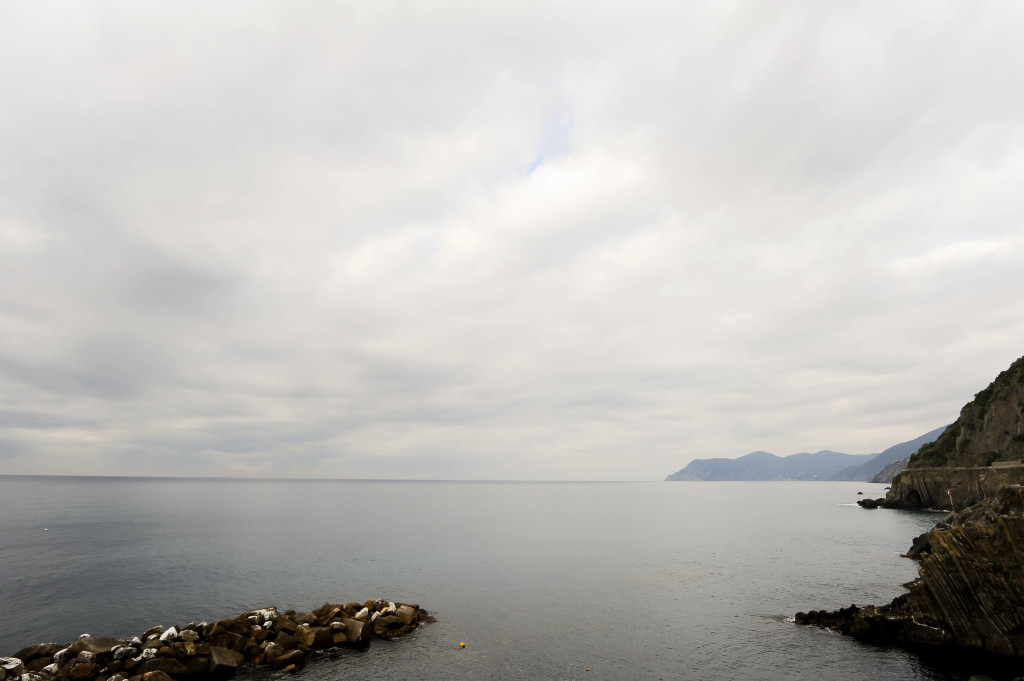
{"x": 823, "y": 465}
{"x": 867, "y": 471}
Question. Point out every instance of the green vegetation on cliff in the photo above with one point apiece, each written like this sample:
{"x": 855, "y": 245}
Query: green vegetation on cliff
{"x": 990, "y": 427}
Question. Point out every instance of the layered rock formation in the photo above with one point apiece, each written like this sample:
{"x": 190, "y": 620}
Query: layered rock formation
{"x": 949, "y": 489}
{"x": 969, "y": 593}
{"x": 203, "y": 651}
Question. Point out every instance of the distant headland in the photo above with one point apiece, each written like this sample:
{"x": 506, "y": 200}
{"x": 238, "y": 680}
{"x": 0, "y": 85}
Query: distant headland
{"x": 823, "y": 465}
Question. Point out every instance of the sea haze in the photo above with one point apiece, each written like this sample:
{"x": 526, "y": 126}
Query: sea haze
{"x": 542, "y": 580}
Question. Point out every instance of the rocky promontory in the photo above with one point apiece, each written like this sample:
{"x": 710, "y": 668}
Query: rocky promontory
{"x": 197, "y": 652}
{"x": 990, "y": 427}
{"x": 974, "y": 457}
{"x": 969, "y": 592}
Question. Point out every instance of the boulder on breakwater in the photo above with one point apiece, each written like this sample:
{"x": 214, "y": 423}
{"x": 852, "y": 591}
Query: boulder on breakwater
{"x": 200, "y": 652}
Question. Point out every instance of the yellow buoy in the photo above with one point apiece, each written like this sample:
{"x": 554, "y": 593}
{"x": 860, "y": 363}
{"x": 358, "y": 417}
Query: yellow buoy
{"x": 462, "y": 644}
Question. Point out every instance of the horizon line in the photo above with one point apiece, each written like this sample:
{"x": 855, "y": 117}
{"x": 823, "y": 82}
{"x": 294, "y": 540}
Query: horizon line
{"x": 288, "y": 479}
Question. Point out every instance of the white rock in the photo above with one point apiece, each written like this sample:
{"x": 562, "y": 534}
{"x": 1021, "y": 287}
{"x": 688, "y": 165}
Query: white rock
{"x": 169, "y": 634}
{"x": 375, "y": 616}
{"x": 149, "y": 653}
{"x": 391, "y": 608}
{"x": 266, "y": 614}
{"x": 362, "y": 614}
{"x": 60, "y": 656}
{"x": 9, "y": 664}
{"x": 136, "y": 641}
{"x": 51, "y": 669}
{"x": 86, "y": 657}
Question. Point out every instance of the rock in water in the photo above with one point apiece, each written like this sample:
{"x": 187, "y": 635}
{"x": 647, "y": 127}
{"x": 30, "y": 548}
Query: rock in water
{"x": 224, "y": 662}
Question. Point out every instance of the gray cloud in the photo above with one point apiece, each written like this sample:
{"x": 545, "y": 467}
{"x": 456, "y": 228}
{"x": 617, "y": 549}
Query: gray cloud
{"x": 526, "y": 241}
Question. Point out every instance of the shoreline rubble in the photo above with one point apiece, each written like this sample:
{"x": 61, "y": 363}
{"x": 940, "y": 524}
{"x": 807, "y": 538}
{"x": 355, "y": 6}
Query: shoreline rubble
{"x": 260, "y": 638}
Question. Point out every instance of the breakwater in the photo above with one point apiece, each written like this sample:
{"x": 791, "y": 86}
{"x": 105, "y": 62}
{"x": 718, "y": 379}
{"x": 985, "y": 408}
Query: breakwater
{"x": 196, "y": 652}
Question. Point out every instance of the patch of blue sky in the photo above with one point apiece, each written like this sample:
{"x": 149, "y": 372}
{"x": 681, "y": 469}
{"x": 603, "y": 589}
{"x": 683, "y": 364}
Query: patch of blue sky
{"x": 555, "y": 143}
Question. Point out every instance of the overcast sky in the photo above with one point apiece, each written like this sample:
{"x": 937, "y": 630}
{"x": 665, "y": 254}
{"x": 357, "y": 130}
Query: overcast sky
{"x": 504, "y": 240}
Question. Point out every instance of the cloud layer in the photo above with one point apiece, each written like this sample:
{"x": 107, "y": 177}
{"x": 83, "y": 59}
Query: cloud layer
{"x": 522, "y": 241}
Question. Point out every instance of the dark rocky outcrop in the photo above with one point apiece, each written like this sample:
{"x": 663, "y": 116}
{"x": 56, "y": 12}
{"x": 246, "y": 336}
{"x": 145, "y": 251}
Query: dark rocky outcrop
{"x": 969, "y": 592}
{"x": 948, "y": 489}
{"x": 198, "y": 652}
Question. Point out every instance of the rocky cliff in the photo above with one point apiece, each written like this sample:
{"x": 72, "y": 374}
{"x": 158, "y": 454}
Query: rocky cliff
{"x": 969, "y": 592}
{"x": 949, "y": 489}
{"x": 990, "y": 427}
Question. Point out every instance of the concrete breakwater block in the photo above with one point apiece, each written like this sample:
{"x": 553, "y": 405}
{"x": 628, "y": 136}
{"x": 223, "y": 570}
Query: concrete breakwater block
{"x": 197, "y": 652}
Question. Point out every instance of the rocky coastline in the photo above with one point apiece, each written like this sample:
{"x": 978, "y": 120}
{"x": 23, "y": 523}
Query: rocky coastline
{"x": 199, "y": 652}
{"x": 949, "y": 489}
{"x": 969, "y": 595}
{"x": 969, "y": 592}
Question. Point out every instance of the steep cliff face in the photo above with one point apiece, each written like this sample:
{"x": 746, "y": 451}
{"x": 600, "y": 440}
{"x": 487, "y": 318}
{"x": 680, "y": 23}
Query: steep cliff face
{"x": 949, "y": 489}
{"x": 990, "y": 427}
{"x": 969, "y": 591}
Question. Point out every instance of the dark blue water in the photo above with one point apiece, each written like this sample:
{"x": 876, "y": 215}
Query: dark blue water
{"x": 542, "y": 580}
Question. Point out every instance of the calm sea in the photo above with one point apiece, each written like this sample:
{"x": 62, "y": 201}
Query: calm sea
{"x": 541, "y": 580}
